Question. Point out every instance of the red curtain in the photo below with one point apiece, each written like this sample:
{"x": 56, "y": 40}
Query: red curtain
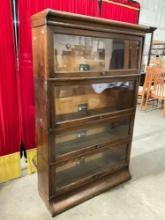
{"x": 121, "y": 1}
{"x": 10, "y": 121}
{"x": 11, "y": 128}
{"x": 127, "y": 12}
{"x": 27, "y": 8}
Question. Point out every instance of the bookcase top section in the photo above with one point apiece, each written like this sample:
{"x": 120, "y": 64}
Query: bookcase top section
{"x": 53, "y": 17}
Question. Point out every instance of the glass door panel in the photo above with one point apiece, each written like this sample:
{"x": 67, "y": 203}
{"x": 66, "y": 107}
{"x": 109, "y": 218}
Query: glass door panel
{"x": 93, "y": 136}
{"x": 78, "y": 101}
{"x": 87, "y": 167}
{"x": 91, "y": 54}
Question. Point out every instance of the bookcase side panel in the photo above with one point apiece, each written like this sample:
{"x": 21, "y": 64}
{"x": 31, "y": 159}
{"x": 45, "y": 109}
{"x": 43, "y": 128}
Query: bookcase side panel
{"x": 39, "y": 44}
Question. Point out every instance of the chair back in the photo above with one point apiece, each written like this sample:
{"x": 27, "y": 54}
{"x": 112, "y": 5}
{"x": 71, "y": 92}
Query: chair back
{"x": 153, "y": 85}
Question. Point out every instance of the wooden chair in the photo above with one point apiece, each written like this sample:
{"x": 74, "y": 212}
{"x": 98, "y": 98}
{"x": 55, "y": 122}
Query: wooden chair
{"x": 153, "y": 89}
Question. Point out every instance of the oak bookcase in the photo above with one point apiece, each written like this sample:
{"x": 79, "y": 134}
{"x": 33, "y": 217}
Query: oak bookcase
{"x": 86, "y": 73}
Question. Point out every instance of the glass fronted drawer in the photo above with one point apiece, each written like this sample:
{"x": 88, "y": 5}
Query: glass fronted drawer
{"x": 86, "y": 169}
{"x": 93, "y": 54}
{"x": 78, "y": 101}
{"x": 89, "y": 138}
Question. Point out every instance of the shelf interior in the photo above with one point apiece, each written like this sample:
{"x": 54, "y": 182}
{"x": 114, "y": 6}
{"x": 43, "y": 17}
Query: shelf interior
{"x": 90, "y": 137}
{"x": 90, "y": 166}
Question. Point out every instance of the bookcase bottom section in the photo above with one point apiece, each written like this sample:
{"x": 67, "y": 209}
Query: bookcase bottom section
{"x": 56, "y": 206}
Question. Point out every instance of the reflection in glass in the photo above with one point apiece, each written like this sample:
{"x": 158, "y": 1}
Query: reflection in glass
{"x": 87, "y": 137}
{"x": 117, "y": 59}
{"x": 87, "y": 166}
{"x": 77, "y": 101}
{"x": 82, "y": 54}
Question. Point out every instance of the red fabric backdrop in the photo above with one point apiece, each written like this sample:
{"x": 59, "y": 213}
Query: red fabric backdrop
{"x": 119, "y": 12}
{"x": 10, "y": 121}
{"x": 25, "y": 10}
{"x": 17, "y": 120}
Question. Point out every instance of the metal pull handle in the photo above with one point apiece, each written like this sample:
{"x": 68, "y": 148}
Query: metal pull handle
{"x": 103, "y": 73}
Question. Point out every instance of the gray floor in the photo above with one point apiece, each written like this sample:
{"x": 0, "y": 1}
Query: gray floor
{"x": 139, "y": 199}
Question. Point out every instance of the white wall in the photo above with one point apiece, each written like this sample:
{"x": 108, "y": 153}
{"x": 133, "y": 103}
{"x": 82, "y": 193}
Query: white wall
{"x": 153, "y": 14}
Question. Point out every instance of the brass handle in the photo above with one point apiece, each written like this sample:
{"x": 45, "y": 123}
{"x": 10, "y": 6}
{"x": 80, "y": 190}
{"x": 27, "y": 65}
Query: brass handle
{"x": 99, "y": 146}
{"x": 96, "y": 176}
{"x": 103, "y": 73}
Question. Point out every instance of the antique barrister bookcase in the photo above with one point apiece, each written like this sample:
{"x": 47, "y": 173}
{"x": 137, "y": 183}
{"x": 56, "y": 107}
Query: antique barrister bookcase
{"x": 86, "y": 73}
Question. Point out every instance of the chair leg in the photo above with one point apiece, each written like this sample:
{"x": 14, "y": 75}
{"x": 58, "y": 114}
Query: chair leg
{"x": 143, "y": 101}
{"x": 146, "y": 101}
{"x": 163, "y": 108}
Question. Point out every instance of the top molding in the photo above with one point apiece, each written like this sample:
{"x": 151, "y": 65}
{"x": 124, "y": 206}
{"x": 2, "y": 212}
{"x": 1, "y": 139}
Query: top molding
{"x": 53, "y": 17}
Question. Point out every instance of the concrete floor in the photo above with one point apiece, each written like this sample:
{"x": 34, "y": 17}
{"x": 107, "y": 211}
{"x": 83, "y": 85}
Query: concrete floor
{"x": 139, "y": 199}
